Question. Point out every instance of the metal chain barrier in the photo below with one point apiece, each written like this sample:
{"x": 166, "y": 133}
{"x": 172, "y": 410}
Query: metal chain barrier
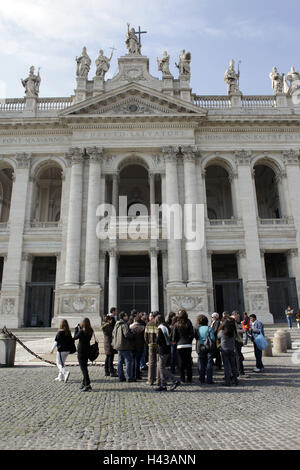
{"x": 12, "y": 336}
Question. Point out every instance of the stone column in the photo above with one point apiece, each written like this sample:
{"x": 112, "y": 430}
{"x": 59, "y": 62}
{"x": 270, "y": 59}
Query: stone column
{"x": 291, "y": 160}
{"x": 256, "y": 284}
{"x": 12, "y": 291}
{"x": 74, "y": 219}
{"x": 113, "y": 279}
{"x": 94, "y": 196}
{"x": 195, "y": 277}
{"x": 154, "y": 280}
{"x": 115, "y": 192}
{"x": 152, "y": 191}
{"x": 172, "y": 198}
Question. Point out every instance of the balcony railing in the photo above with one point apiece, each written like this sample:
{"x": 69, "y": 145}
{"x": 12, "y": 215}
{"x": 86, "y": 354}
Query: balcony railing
{"x": 254, "y": 101}
{"x": 50, "y": 104}
{"x": 281, "y": 221}
{"x": 44, "y": 225}
{"x": 212, "y": 102}
{"x": 12, "y": 105}
{"x": 224, "y": 222}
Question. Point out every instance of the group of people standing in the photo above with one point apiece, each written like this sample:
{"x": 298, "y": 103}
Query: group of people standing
{"x": 163, "y": 346}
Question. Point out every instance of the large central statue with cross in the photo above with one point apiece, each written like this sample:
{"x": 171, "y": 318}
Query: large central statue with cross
{"x": 133, "y": 43}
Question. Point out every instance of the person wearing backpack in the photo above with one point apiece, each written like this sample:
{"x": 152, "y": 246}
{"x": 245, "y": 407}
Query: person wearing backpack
{"x": 65, "y": 345}
{"x": 182, "y": 336}
{"x": 84, "y": 333}
{"x": 205, "y": 345}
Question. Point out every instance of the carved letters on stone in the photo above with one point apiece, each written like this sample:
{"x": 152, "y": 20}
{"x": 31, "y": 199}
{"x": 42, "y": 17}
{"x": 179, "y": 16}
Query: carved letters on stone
{"x": 189, "y": 303}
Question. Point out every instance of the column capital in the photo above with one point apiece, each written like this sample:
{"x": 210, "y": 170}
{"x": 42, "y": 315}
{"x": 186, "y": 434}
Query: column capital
{"x": 74, "y": 155}
{"x": 243, "y": 157}
{"x": 291, "y": 157}
{"x": 23, "y": 160}
{"x": 153, "y": 251}
{"x": 293, "y": 252}
{"x": 95, "y": 154}
{"x": 170, "y": 153}
{"x": 189, "y": 153}
{"x": 113, "y": 253}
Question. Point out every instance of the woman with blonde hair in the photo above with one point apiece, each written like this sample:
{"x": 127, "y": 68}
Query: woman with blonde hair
{"x": 65, "y": 345}
{"x": 84, "y": 333}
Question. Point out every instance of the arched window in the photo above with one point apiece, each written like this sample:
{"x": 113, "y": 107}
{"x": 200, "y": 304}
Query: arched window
{"x": 48, "y": 195}
{"x": 267, "y": 194}
{"x": 218, "y": 193}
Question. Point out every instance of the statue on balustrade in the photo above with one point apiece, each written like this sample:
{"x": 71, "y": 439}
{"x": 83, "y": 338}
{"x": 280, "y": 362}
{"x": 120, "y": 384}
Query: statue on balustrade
{"x": 132, "y": 43}
{"x": 277, "y": 81}
{"x": 232, "y": 79}
{"x": 83, "y": 64}
{"x": 164, "y": 64}
{"x": 184, "y": 63}
{"x": 294, "y": 78}
{"x": 103, "y": 64}
{"x": 32, "y": 83}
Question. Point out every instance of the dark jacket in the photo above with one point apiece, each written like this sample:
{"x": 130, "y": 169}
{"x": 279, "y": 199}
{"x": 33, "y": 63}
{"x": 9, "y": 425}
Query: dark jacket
{"x": 64, "y": 341}
{"x": 183, "y": 336}
{"x": 163, "y": 347}
{"x": 84, "y": 341}
{"x": 122, "y": 339}
{"x": 139, "y": 331}
{"x": 107, "y": 329}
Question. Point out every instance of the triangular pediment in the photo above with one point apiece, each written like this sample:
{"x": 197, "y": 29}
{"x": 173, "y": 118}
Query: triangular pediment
{"x": 133, "y": 100}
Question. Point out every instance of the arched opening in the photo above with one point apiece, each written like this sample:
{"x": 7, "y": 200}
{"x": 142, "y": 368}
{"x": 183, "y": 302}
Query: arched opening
{"x": 6, "y": 184}
{"x": 48, "y": 195}
{"x": 134, "y": 184}
{"x": 268, "y": 203}
{"x": 218, "y": 193}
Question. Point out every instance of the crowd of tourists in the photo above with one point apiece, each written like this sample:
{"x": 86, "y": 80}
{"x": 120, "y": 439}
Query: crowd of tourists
{"x": 161, "y": 348}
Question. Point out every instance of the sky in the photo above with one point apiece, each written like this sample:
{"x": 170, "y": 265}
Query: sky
{"x": 49, "y": 34}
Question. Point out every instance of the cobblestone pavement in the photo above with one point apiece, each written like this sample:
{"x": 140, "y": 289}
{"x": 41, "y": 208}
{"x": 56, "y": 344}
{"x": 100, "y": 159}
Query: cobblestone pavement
{"x": 262, "y": 412}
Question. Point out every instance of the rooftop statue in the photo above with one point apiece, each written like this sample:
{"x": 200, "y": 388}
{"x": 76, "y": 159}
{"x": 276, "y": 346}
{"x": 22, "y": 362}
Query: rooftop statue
{"x": 232, "y": 79}
{"x": 132, "y": 43}
{"x": 294, "y": 78}
{"x": 102, "y": 64}
{"x": 164, "y": 64}
{"x": 184, "y": 63}
{"x": 32, "y": 83}
{"x": 277, "y": 81}
{"x": 83, "y": 64}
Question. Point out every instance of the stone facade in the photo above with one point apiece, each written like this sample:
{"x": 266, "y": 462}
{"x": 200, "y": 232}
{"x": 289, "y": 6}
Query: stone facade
{"x": 177, "y": 137}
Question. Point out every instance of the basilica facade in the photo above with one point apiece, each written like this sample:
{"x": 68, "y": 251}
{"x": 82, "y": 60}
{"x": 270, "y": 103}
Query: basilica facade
{"x": 148, "y": 141}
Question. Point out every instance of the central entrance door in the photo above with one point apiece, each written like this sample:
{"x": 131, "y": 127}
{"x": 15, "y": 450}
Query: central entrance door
{"x": 134, "y": 283}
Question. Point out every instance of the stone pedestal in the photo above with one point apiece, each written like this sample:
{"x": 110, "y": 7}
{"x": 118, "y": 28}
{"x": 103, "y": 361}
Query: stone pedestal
{"x": 81, "y": 90}
{"x": 194, "y": 301}
{"x": 76, "y": 304}
{"x": 267, "y": 352}
{"x": 235, "y": 100}
{"x": 98, "y": 86}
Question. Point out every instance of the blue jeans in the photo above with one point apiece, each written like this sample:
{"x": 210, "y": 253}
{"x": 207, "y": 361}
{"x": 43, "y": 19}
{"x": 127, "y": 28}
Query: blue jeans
{"x": 245, "y": 338}
{"x": 205, "y": 366}
{"x": 125, "y": 357}
{"x": 290, "y": 321}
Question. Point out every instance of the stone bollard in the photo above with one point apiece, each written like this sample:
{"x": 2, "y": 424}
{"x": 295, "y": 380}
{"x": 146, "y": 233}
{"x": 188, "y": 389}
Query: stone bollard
{"x": 279, "y": 342}
{"x": 267, "y": 352}
{"x": 288, "y": 339}
{"x": 7, "y": 349}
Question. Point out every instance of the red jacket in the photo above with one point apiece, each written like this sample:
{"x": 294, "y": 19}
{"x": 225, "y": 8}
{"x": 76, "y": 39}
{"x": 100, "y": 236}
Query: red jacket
{"x": 246, "y": 324}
